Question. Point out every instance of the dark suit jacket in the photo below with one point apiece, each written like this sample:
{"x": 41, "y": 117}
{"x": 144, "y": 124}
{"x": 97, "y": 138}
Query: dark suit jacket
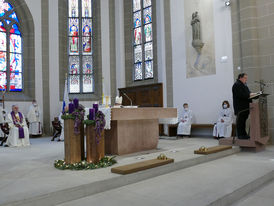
{"x": 241, "y": 96}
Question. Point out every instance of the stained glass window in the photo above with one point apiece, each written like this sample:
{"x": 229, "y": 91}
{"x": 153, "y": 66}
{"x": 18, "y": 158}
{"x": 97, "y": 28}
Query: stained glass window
{"x": 11, "y": 60}
{"x": 80, "y": 46}
{"x": 142, "y": 40}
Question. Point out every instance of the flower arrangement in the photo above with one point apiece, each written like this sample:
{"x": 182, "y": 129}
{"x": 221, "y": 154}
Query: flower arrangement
{"x": 77, "y": 113}
{"x": 84, "y": 165}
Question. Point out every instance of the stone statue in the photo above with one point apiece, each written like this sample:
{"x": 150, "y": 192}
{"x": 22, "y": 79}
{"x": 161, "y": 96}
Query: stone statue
{"x": 196, "y": 32}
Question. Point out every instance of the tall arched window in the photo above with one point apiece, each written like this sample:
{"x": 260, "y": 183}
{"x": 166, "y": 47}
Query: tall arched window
{"x": 10, "y": 49}
{"x": 80, "y": 49}
{"x": 142, "y": 40}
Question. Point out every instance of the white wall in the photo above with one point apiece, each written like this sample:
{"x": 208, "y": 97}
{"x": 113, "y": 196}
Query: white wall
{"x": 204, "y": 94}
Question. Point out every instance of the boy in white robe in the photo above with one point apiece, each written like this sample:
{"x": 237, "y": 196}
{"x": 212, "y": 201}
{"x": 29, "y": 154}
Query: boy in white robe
{"x": 223, "y": 127}
{"x": 19, "y": 133}
{"x": 34, "y": 115}
{"x": 184, "y": 125}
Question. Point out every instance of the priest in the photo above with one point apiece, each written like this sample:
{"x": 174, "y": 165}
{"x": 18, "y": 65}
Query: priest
{"x": 184, "y": 125}
{"x": 19, "y": 133}
{"x": 34, "y": 115}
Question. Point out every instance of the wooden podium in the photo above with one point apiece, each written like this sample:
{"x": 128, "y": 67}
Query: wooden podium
{"x": 135, "y": 129}
{"x": 74, "y": 143}
{"x": 259, "y": 133}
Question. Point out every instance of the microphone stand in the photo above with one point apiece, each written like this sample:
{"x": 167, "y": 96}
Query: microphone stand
{"x": 127, "y": 98}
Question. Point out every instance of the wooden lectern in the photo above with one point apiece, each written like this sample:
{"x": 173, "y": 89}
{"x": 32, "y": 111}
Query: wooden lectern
{"x": 259, "y": 133}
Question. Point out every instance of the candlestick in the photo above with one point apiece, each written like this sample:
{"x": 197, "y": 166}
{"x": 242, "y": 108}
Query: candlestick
{"x": 91, "y": 114}
{"x": 71, "y": 108}
{"x": 95, "y": 107}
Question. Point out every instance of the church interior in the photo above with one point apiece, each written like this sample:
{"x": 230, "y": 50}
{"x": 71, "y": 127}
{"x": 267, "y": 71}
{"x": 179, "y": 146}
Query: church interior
{"x": 133, "y": 102}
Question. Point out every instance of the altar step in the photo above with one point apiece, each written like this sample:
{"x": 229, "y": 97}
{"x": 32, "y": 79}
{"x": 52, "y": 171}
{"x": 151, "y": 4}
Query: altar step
{"x": 216, "y": 183}
{"x": 74, "y": 193}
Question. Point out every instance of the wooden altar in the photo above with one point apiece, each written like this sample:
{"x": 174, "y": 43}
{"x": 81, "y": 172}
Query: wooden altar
{"x": 135, "y": 129}
{"x": 259, "y": 132}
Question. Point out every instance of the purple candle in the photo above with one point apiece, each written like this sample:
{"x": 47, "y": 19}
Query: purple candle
{"x": 91, "y": 114}
{"x": 71, "y": 108}
{"x": 76, "y": 103}
{"x": 95, "y": 107}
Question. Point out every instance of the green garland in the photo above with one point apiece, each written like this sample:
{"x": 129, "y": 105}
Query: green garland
{"x": 68, "y": 116}
{"x": 84, "y": 165}
{"x": 89, "y": 122}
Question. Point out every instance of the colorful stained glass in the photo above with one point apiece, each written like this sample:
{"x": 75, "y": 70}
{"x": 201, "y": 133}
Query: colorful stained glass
{"x": 88, "y": 83}
{"x": 7, "y": 21}
{"x": 74, "y": 84}
{"x": 15, "y": 43}
{"x": 2, "y": 28}
{"x": 146, "y": 3}
{"x": 86, "y": 45}
{"x": 15, "y": 29}
{"x": 14, "y": 16}
{"x": 87, "y": 65}
{"x": 86, "y": 8}
{"x": 148, "y": 32}
{"x": 86, "y": 27}
{"x": 73, "y": 27}
{"x": 3, "y": 41}
{"x": 148, "y": 51}
{"x": 137, "y": 19}
{"x": 73, "y": 45}
{"x": 138, "y": 36}
{"x": 15, "y": 62}
{"x": 138, "y": 74}
{"x": 3, "y": 61}
{"x": 16, "y": 82}
{"x": 147, "y": 15}
{"x": 3, "y": 80}
{"x": 4, "y": 6}
{"x": 136, "y": 5}
{"x": 138, "y": 54}
{"x": 74, "y": 65}
{"x": 73, "y": 8}
{"x": 148, "y": 69}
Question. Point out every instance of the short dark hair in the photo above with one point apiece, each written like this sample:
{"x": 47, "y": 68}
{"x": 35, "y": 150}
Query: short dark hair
{"x": 226, "y": 102}
{"x": 185, "y": 104}
{"x": 241, "y": 75}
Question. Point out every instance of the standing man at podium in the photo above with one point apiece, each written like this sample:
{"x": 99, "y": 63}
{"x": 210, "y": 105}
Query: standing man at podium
{"x": 241, "y": 100}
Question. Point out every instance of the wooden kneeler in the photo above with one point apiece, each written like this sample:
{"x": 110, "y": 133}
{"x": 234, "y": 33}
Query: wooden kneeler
{"x": 95, "y": 150}
{"x": 211, "y": 150}
{"x": 139, "y": 166}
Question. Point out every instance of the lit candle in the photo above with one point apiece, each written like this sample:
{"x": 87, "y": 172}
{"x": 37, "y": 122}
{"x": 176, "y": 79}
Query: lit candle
{"x": 95, "y": 107}
{"x": 91, "y": 114}
{"x": 71, "y": 108}
{"x": 76, "y": 103}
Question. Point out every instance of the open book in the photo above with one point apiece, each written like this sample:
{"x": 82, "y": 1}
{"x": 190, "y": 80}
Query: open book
{"x": 257, "y": 94}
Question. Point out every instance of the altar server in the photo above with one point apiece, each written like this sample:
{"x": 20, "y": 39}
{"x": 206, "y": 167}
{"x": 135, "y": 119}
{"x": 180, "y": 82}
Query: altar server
{"x": 34, "y": 116}
{"x": 184, "y": 125}
{"x": 19, "y": 133}
{"x": 223, "y": 127}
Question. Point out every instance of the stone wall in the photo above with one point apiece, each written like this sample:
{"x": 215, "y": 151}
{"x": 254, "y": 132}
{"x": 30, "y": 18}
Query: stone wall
{"x": 253, "y": 45}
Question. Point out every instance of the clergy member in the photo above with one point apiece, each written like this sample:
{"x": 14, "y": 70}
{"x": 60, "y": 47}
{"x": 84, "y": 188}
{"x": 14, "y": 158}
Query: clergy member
{"x": 223, "y": 127}
{"x": 184, "y": 125}
{"x": 19, "y": 133}
{"x": 34, "y": 115}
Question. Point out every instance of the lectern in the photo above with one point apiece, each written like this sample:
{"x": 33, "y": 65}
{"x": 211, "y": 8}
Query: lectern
{"x": 259, "y": 133}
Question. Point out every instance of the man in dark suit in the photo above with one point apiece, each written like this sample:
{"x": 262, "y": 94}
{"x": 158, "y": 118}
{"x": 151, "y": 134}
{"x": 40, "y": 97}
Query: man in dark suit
{"x": 241, "y": 95}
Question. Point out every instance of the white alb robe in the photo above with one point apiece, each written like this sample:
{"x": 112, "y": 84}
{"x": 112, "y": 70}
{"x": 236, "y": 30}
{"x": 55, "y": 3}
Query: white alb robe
{"x": 184, "y": 128}
{"x": 35, "y": 126}
{"x": 62, "y": 124}
{"x": 224, "y": 129}
{"x": 13, "y": 138}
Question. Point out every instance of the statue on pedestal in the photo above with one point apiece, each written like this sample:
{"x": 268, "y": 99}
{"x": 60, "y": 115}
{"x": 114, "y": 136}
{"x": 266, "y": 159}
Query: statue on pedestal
{"x": 196, "y": 32}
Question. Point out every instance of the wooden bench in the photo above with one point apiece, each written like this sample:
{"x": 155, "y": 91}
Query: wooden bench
{"x": 172, "y": 128}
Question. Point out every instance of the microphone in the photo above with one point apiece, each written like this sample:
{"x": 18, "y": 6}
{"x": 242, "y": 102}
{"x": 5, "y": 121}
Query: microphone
{"x": 260, "y": 82}
{"x": 127, "y": 98}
